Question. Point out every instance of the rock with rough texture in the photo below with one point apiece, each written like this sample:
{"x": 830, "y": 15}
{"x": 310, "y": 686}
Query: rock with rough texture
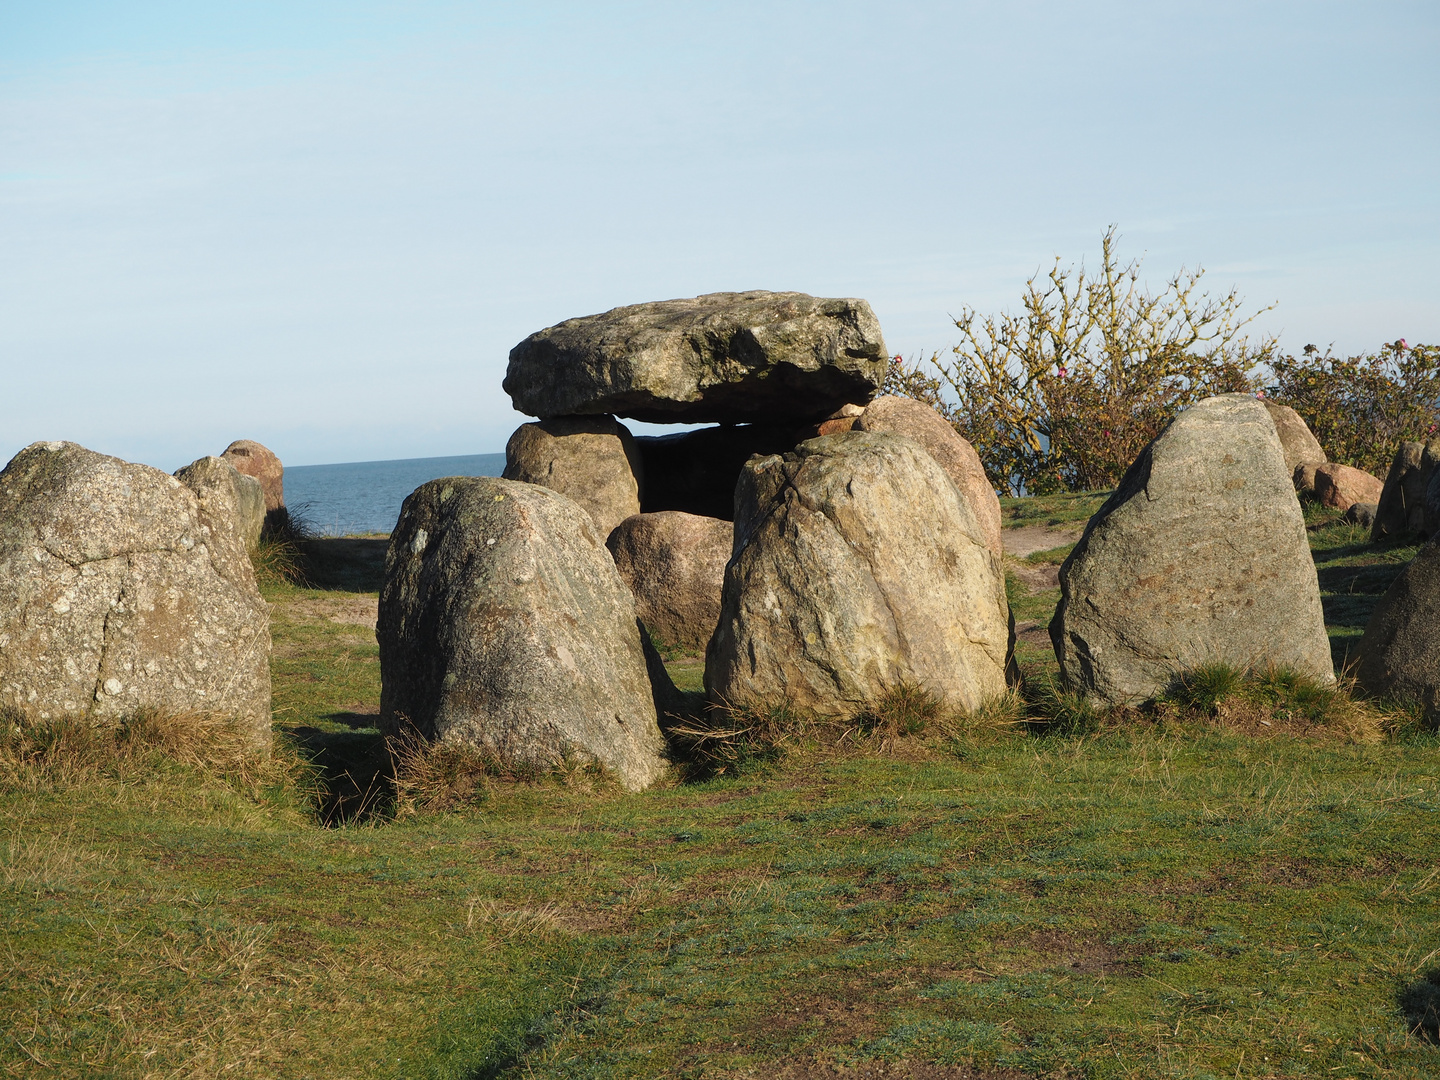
{"x": 121, "y": 590}
{"x": 505, "y": 625}
{"x": 1431, "y": 510}
{"x": 1304, "y": 476}
{"x": 1400, "y": 652}
{"x": 751, "y": 357}
{"x": 695, "y": 471}
{"x": 1199, "y": 556}
{"x": 1342, "y": 487}
{"x": 905, "y": 416}
{"x": 857, "y": 566}
{"x": 590, "y": 459}
{"x": 1360, "y": 514}
{"x": 674, "y": 563}
{"x": 1402, "y": 500}
{"x": 1297, "y": 441}
{"x": 252, "y": 459}
{"x": 225, "y": 491}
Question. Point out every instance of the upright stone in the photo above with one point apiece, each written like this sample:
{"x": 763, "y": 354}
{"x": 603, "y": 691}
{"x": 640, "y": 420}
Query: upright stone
{"x": 905, "y": 416}
{"x": 505, "y": 625}
{"x": 225, "y": 492}
{"x": 751, "y": 357}
{"x": 1400, "y": 652}
{"x": 857, "y": 566}
{"x": 1297, "y": 442}
{"x": 121, "y": 590}
{"x": 1199, "y": 556}
{"x": 590, "y": 459}
{"x": 253, "y": 459}
{"x": 674, "y": 563}
{"x": 1402, "y": 500}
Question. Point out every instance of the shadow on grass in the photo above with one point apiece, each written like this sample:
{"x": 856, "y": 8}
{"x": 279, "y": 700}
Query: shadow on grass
{"x": 346, "y": 564}
{"x": 1420, "y": 1002}
{"x": 354, "y": 772}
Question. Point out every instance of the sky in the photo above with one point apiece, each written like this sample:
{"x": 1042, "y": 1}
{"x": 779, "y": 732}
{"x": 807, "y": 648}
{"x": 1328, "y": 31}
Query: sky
{"x": 324, "y": 225}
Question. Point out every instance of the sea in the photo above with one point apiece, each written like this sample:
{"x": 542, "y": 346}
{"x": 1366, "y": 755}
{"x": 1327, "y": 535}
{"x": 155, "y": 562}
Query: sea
{"x": 365, "y": 496}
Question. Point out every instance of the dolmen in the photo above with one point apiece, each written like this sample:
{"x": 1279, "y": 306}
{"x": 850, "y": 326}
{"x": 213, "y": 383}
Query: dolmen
{"x": 814, "y": 563}
{"x": 123, "y": 588}
{"x": 1200, "y": 556}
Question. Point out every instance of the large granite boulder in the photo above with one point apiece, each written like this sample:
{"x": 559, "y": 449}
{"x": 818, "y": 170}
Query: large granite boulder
{"x": 752, "y": 357}
{"x": 504, "y": 624}
{"x": 1341, "y": 486}
{"x": 857, "y": 566}
{"x": 1297, "y": 442}
{"x": 252, "y": 459}
{"x": 1402, "y": 500}
{"x": 674, "y": 563}
{"x": 1400, "y": 652}
{"x": 905, "y": 416}
{"x": 1199, "y": 556}
{"x": 590, "y": 459}
{"x": 225, "y": 491}
{"x": 121, "y": 590}
{"x": 695, "y": 471}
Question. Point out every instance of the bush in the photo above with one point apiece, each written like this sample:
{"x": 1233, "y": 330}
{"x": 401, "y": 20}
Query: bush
{"x": 1362, "y": 407}
{"x": 1063, "y": 396}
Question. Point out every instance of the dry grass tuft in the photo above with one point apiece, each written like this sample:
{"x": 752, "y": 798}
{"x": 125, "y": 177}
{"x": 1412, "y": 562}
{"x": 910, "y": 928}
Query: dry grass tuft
{"x": 61, "y": 753}
{"x": 508, "y": 923}
{"x": 1271, "y": 700}
{"x": 735, "y": 738}
{"x": 437, "y": 777}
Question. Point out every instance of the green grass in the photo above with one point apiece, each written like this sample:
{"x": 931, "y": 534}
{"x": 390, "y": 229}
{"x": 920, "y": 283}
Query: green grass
{"x": 1165, "y": 899}
{"x": 1070, "y": 508}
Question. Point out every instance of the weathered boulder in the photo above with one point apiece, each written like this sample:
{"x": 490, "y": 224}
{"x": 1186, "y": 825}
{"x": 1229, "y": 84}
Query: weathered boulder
{"x": 1402, "y": 500}
{"x": 226, "y": 493}
{"x": 1304, "y": 476}
{"x": 1297, "y": 442}
{"x": 905, "y": 416}
{"x": 1342, "y": 487}
{"x": 1400, "y": 652}
{"x": 695, "y": 471}
{"x": 674, "y": 563}
{"x": 857, "y": 565}
{"x": 504, "y": 624}
{"x": 1199, "y": 556}
{"x": 1360, "y": 514}
{"x": 590, "y": 459}
{"x": 756, "y": 357}
{"x": 252, "y": 459}
{"x": 1431, "y": 511}
{"x": 121, "y": 590}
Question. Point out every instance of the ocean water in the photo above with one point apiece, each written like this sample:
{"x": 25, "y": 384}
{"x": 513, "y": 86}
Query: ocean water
{"x": 365, "y": 496}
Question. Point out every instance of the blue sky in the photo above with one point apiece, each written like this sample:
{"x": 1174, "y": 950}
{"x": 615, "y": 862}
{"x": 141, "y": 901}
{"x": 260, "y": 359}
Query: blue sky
{"x": 323, "y": 225}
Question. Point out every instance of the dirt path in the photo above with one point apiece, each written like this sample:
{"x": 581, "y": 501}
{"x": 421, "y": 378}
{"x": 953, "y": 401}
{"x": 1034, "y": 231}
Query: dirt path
{"x": 1029, "y": 539}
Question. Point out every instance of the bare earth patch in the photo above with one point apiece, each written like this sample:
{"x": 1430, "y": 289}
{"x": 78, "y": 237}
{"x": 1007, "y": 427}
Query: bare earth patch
{"x": 351, "y": 610}
{"x": 1029, "y": 539}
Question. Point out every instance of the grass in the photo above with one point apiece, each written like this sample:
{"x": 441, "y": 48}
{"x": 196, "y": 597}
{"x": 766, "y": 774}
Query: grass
{"x": 1029, "y": 891}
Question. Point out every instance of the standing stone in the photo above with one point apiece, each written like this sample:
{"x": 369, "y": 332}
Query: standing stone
{"x": 1304, "y": 476}
{"x": 1400, "y": 652}
{"x": 252, "y": 459}
{"x": 1431, "y": 514}
{"x": 121, "y": 590}
{"x": 857, "y": 566}
{"x": 1341, "y": 486}
{"x": 505, "y": 625}
{"x": 1402, "y": 500}
{"x": 905, "y": 416}
{"x": 695, "y": 471}
{"x": 674, "y": 563}
{"x": 225, "y": 491}
{"x": 1297, "y": 442}
{"x": 756, "y": 357}
{"x": 1199, "y": 556}
{"x": 590, "y": 459}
